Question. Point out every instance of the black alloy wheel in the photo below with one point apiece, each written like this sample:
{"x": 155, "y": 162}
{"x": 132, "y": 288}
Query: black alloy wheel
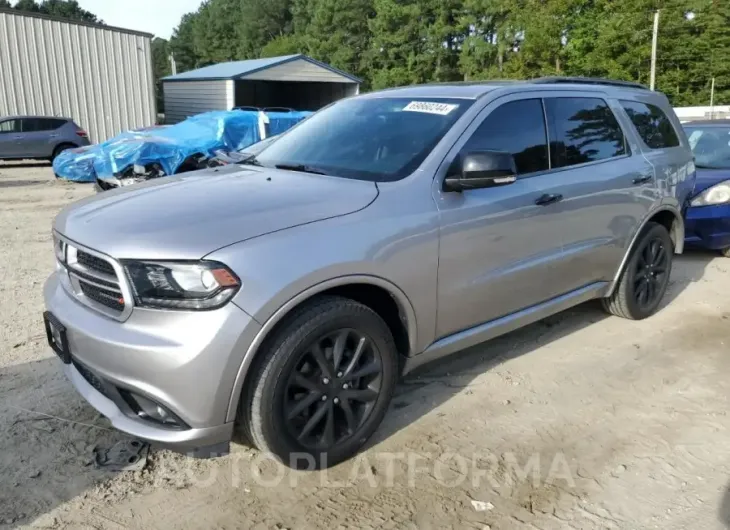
{"x": 333, "y": 388}
{"x": 645, "y": 278}
{"x": 321, "y": 384}
{"x": 651, "y": 273}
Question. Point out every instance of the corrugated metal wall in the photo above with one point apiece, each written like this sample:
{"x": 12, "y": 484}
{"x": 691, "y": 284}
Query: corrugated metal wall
{"x": 186, "y": 98}
{"x": 100, "y": 77}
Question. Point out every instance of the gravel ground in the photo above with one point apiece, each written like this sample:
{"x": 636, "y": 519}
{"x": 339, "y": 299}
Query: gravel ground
{"x": 580, "y": 421}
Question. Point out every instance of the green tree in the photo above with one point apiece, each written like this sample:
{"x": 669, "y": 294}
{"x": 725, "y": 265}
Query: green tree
{"x": 416, "y": 41}
{"x": 216, "y": 31}
{"x": 160, "y": 68}
{"x": 182, "y": 44}
{"x": 337, "y": 32}
{"x": 30, "y": 6}
{"x": 397, "y": 42}
{"x": 489, "y": 39}
{"x": 282, "y": 45}
{"x": 60, "y": 8}
{"x": 258, "y": 22}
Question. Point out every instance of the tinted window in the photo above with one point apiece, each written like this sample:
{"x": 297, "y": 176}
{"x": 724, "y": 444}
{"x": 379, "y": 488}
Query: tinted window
{"x": 29, "y": 124}
{"x": 50, "y": 124}
{"x": 583, "y": 130}
{"x": 380, "y": 139}
{"x": 517, "y": 127}
{"x": 9, "y": 126}
{"x": 652, "y": 125}
{"x": 41, "y": 124}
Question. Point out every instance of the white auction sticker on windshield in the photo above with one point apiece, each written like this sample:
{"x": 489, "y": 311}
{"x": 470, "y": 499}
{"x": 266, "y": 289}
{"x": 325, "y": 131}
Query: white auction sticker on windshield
{"x": 430, "y": 107}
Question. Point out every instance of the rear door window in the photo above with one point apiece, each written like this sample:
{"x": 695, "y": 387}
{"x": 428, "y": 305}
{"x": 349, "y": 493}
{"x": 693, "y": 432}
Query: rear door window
{"x": 583, "y": 130}
{"x": 9, "y": 126}
{"x": 29, "y": 125}
{"x": 652, "y": 124}
{"x": 517, "y": 127}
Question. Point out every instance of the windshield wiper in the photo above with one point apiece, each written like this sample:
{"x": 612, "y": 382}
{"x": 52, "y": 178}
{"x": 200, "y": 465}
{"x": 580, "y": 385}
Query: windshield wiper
{"x": 250, "y": 160}
{"x": 300, "y": 167}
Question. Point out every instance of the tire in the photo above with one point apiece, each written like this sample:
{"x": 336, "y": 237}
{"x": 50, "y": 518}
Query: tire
{"x": 268, "y": 403}
{"x": 627, "y": 299}
{"x": 60, "y": 149}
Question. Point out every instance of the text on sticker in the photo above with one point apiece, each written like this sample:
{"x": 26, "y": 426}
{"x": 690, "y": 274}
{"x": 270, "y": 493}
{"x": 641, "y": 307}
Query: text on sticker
{"x": 430, "y": 107}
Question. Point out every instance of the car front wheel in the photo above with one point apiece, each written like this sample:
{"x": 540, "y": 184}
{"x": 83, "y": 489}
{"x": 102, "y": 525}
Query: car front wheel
{"x": 322, "y": 384}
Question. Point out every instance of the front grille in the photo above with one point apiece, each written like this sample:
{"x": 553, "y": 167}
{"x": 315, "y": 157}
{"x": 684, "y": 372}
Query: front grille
{"x": 111, "y": 298}
{"x": 94, "y": 281}
{"x": 94, "y": 263}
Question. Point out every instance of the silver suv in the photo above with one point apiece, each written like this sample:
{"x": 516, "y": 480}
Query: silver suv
{"x": 286, "y": 294}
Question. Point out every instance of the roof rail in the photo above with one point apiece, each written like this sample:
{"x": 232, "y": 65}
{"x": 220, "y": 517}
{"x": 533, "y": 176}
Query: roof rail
{"x": 589, "y": 81}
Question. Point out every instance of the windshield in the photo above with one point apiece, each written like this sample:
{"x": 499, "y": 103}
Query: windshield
{"x": 710, "y": 145}
{"x": 259, "y": 146}
{"x": 381, "y": 139}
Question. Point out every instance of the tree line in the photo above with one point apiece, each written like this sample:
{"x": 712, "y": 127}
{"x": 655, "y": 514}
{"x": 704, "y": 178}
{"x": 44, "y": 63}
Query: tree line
{"x": 400, "y": 42}
{"x": 59, "y": 8}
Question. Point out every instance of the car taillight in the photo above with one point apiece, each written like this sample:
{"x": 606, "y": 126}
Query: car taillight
{"x": 82, "y": 133}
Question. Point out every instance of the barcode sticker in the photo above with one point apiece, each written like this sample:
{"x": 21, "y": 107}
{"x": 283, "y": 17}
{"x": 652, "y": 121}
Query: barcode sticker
{"x": 430, "y": 107}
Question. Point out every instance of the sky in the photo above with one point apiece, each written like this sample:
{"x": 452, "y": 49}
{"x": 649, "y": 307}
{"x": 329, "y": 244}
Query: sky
{"x": 159, "y": 17}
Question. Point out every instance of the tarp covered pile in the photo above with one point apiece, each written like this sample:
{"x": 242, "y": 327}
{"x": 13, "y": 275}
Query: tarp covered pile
{"x": 168, "y": 150}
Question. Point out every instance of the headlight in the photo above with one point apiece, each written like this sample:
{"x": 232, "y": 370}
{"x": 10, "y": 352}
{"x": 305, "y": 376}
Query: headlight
{"x": 184, "y": 285}
{"x": 717, "y": 194}
{"x": 59, "y": 247}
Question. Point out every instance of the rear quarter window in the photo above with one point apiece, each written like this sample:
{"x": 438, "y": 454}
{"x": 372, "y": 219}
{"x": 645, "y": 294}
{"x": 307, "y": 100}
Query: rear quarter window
{"x": 53, "y": 124}
{"x": 652, "y": 124}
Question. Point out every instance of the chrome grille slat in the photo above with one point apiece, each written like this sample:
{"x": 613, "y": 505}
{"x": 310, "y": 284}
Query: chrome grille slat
{"x": 105, "y": 297}
{"x": 91, "y": 273}
{"x": 95, "y": 280}
{"x": 90, "y": 262}
{"x": 112, "y": 288}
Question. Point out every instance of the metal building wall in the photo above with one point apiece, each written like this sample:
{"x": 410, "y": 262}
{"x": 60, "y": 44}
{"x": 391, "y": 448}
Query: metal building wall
{"x": 99, "y": 76}
{"x": 187, "y": 98}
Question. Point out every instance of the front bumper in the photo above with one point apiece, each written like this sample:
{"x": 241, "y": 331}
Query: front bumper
{"x": 708, "y": 227}
{"x": 185, "y": 361}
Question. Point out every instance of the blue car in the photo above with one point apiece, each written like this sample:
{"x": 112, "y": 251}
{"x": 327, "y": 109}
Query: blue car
{"x": 708, "y": 218}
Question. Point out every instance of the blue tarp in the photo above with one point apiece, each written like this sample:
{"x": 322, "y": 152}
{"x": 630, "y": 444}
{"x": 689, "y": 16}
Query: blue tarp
{"x": 170, "y": 146}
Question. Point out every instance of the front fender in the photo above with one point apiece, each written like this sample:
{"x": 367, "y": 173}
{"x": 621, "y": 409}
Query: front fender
{"x": 402, "y": 300}
{"x": 387, "y": 249}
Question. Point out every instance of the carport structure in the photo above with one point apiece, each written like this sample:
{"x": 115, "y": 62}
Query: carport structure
{"x": 293, "y": 81}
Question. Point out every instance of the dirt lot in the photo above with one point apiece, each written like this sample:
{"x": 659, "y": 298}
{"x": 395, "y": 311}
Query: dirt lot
{"x": 581, "y": 421}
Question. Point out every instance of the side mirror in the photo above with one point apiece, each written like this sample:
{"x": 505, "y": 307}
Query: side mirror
{"x": 483, "y": 169}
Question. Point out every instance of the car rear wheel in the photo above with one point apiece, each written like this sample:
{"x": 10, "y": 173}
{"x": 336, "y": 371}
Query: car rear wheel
{"x": 644, "y": 281}
{"x": 60, "y": 149}
{"x": 322, "y": 385}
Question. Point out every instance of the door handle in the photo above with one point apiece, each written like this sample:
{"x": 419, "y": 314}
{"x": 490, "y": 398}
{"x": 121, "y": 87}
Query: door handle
{"x": 643, "y": 179}
{"x": 549, "y": 198}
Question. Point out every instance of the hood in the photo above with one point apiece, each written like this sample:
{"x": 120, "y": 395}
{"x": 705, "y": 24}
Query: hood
{"x": 191, "y": 215}
{"x": 709, "y": 177}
